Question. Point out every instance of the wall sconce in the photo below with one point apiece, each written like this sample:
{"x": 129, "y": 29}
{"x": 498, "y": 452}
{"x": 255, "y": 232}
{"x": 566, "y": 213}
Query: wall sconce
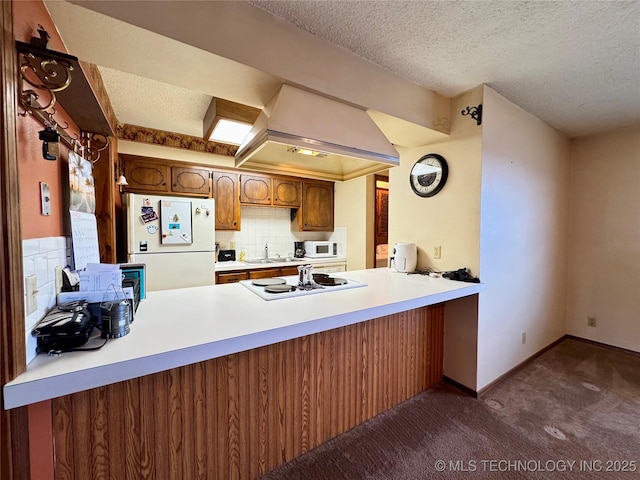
{"x": 475, "y": 112}
{"x": 120, "y": 179}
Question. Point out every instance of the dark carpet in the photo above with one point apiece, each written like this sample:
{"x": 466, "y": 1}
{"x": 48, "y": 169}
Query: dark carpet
{"x": 574, "y": 412}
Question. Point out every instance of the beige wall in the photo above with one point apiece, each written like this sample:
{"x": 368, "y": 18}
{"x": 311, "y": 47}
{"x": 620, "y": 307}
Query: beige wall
{"x": 451, "y": 219}
{"x": 523, "y": 237}
{"x": 169, "y": 153}
{"x": 354, "y": 211}
{"x": 604, "y": 258}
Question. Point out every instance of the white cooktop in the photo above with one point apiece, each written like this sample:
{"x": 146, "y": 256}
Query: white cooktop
{"x": 293, "y": 280}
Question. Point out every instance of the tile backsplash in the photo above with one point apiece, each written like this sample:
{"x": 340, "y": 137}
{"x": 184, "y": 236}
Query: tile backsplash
{"x": 263, "y": 224}
{"x": 40, "y": 257}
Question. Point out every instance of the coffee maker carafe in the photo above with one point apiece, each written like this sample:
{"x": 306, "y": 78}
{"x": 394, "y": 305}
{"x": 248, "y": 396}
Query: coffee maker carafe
{"x": 299, "y": 249}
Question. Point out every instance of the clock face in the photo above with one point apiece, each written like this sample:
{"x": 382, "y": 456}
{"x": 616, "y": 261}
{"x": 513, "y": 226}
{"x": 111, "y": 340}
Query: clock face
{"x": 429, "y": 175}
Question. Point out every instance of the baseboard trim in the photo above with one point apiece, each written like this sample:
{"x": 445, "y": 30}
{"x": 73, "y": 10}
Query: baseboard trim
{"x": 525, "y": 362}
{"x": 520, "y": 366}
{"x": 463, "y": 388}
{"x": 603, "y": 345}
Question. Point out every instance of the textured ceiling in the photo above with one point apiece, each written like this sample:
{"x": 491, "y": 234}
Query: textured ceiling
{"x": 164, "y": 103}
{"x": 573, "y": 64}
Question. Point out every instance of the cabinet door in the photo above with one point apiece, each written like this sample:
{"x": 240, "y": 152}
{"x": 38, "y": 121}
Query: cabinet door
{"x": 225, "y": 192}
{"x": 146, "y": 175}
{"x": 231, "y": 277}
{"x": 191, "y": 180}
{"x": 316, "y": 212}
{"x": 286, "y": 271}
{"x": 255, "y": 190}
{"x": 286, "y": 192}
{"x": 264, "y": 273}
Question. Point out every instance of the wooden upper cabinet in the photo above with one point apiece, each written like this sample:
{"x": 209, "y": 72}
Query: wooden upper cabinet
{"x": 191, "y": 180}
{"x": 270, "y": 191}
{"x": 227, "y": 206}
{"x": 316, "y": 212}
{"x": 147, "y": 175}
{"x": 287, "y": 192}
{"x": 255, "y": 190}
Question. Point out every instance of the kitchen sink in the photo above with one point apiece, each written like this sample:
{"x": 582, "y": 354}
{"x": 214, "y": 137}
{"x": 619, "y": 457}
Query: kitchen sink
{"x": 269, "y": 260}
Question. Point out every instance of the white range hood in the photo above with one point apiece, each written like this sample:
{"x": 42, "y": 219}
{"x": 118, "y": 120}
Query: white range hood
{"x": 347, "y": 142}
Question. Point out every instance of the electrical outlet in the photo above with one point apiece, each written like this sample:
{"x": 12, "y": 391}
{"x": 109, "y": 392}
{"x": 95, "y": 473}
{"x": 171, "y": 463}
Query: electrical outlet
{"x": 32, "y": 293}
{"x": 591, "y": 321}
{"x": 437, "y": 252}
{"x": 58, "y": 279}
{"x": 524, "y": 338}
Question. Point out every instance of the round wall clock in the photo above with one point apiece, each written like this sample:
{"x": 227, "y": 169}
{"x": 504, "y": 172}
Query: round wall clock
{"x": 428, "y": 175}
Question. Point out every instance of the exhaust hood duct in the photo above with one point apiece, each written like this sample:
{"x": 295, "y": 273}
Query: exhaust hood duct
{"x": 339, "y": 141}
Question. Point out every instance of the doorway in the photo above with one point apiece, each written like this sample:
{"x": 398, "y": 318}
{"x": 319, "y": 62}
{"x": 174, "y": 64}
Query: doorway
{"x": 381, "y": 221}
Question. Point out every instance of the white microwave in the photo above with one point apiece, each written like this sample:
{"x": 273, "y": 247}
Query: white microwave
{"x": 320, "y": 249}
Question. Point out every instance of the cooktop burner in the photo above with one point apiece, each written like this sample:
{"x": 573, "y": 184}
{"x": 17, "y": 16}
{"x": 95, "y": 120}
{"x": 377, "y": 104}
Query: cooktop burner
{"x": 273, "y": 291}
{"x": 330, "y": 281}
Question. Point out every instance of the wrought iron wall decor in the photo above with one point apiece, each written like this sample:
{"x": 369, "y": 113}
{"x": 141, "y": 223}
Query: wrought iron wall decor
{"x": 43, "y": 73}
{"x": 475, "y": 112}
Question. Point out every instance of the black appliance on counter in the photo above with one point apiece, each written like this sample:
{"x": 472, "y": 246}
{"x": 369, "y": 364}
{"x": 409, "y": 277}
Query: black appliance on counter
{"x": 299, "y": 249}
{"x": 227, "y": 256}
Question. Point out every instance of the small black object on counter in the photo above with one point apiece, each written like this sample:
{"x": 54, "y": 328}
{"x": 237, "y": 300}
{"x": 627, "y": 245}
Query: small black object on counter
{"x": 227, "y": 256}
{"x": 461, "y": 275}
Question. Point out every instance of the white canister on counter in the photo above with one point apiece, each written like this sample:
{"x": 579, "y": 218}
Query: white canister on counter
{"x": 405, "y": 257}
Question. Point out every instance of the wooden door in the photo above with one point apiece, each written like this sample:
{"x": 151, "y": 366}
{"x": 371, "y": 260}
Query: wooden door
{"x": 317, "y": 206}
{"x": 146, "y": 175}
{"x": 255, "y": 190}
{"x": 382, "y": 214}
{"x": 191, "y": 180}
{"x": 287, "y": 192}
{"x": 227, "y": 207}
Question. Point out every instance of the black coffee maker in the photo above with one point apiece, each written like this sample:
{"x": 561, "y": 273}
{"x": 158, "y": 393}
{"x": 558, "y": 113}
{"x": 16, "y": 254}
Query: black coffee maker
{"x": 299, "y": 249}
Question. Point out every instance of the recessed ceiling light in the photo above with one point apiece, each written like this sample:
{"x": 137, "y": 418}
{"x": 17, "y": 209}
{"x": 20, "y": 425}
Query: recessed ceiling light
{"x": 230, "y": 131}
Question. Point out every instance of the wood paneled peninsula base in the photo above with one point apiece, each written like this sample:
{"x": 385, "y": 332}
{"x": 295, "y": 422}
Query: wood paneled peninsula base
{"x": 239, "y": 414}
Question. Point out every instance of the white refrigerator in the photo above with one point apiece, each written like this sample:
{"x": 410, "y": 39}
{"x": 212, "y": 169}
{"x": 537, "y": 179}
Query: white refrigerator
{"x": 174, "y": 237}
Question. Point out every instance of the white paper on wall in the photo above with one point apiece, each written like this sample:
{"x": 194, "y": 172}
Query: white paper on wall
{"x": 84, "y": 239}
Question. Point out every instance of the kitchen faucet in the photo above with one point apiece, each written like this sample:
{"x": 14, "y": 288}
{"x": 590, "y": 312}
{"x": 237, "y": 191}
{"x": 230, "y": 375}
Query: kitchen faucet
{"x": 266, "y": 250}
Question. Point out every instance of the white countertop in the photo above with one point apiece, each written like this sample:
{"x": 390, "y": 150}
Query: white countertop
{"x": 236, "y": 265}
{"x": 173, "y": 328}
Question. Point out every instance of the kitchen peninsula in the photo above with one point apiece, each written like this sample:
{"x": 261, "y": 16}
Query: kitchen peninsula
{"x": 216, "y": 379}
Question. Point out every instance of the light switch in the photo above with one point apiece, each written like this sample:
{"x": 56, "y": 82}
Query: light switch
{"x": 45, "y": 199}
{"x": 32, "y": 293}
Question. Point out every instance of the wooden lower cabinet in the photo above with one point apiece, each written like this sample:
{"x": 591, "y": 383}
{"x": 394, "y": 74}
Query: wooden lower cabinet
{"x": 231, "y": 277}
{"x": 240, "y": 416}
{"x": 265, "y": 273}
{"x": 286, "y": 271}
